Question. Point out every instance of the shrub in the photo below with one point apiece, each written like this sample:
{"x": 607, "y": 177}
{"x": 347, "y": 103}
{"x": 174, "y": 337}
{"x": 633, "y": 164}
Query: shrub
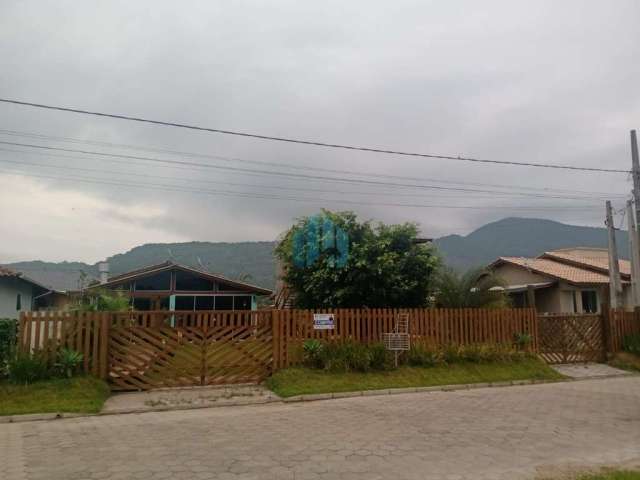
{"x": 8, "y": 339}
{"x": 380, "y": 357}
{"x": 312, "y": 353}
{"x": 420, "y": 355}
{"x": 27, "y": 368}
{"x": 631, "y": 343}
{"x": 68, "y": 362}
{"x": 345, "y": 356}
{"x": 523, "y": 340}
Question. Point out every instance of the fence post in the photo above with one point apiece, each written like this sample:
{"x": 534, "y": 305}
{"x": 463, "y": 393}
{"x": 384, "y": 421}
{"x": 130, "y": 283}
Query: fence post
{"x": 104, "y": 345}
{"x": 275, "y": 332}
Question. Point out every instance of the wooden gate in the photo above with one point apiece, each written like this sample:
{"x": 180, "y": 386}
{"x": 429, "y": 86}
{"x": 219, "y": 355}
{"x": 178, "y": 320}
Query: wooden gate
{"x": 203, "y": 350}
{"x": 571, "y": 338}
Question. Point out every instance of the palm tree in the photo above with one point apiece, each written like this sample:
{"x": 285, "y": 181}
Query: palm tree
{"x": 477, "y": 288}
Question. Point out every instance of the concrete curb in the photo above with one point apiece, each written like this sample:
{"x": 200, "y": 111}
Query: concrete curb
{"x": 37, "y": 417}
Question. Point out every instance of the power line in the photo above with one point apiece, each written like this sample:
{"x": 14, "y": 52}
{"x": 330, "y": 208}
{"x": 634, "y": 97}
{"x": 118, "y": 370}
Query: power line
{"x": 309, "y": 142}
{"x": 274, "y": 173}
{"x": 276, "y": 187}
{"x": 40, "y": 136}
{"x": 173, "y": 188}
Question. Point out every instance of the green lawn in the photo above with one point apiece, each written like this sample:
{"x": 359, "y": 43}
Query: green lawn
{"x": 612, "y": 475}
{"x": 297, "y": 380}
{"x": 77, "y": 395}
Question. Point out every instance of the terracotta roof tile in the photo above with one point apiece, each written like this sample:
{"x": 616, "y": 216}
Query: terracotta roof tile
{"x": 597, "y": 258}
{"x": 556, "y": 269}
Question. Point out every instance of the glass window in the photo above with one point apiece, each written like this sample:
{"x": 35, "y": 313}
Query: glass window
{"x": 184, "y": 302}
{"x": 164, "y": 303}
{"x": 589, "y": 301}
{"x": 224, "y": 303}
{"x": 160, "y": 281}
{"x": 223, "y": 287}
{"x": 204, "y": 303}
{"x": 242, "y": 302}
{"x": 190, "y": 282}
{"x": 142, "y": 304}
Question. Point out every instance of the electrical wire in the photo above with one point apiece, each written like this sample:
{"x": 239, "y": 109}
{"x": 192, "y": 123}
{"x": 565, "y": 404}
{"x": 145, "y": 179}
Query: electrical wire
{"x": 272, "y": 173}
{"x": 40, "y": 136}
{"x": 310, "y": 142}
{"x": 174, "y": 188}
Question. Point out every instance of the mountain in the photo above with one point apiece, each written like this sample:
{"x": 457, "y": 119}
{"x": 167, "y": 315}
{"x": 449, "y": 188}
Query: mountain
{"x": 248, "y": 261}
{"x": 521, "y": 237}
{"x": 254, "y": 262}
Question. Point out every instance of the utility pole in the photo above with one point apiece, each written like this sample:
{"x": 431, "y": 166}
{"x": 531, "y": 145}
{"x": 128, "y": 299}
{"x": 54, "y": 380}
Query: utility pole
{"x": 615, "y": 287}
{"x": 634, "y": 254}
{"x": 635, "y": 173}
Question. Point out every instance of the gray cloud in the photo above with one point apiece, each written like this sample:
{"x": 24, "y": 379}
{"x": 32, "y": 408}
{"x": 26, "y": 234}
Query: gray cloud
{"x": 533, "y": 81}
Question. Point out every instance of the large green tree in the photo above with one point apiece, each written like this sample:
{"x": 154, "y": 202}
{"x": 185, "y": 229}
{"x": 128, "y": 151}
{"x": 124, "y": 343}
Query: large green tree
{"x": 332, "y": 260}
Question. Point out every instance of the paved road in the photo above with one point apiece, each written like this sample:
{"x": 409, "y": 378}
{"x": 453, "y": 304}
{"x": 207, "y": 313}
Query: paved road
{"x": 505, "y": 433}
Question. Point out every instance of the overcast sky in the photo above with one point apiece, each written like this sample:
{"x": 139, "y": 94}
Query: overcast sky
{"x": 538, "y": 81}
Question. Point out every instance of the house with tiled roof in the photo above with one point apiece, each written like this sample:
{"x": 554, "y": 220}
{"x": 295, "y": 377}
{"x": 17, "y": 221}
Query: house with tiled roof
{"x": 19, "y": 293}
{"x": 569, "y": 280}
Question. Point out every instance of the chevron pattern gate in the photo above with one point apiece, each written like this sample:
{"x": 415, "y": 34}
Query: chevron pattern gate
{"x": 143, "y": 357}
{"x": 571, "y": 338}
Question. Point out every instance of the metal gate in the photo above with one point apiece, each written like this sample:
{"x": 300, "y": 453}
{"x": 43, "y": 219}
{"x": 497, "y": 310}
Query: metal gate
{"x": 147, "y": 357}
{"x": 571, "y": 338}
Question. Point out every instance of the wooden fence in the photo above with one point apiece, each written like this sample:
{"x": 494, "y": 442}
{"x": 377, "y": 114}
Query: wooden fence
{"x": 434, "y": 326}
{"x": 620, "y": 324}
{"x": 100, "y": 336}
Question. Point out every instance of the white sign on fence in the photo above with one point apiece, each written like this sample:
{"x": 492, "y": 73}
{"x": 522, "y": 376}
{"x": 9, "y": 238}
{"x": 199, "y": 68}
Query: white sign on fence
{"x": 324, "y": 321}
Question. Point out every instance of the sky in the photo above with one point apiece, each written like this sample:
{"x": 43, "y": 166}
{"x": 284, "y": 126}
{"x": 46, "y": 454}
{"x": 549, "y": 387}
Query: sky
{"x": 528, "y": 81}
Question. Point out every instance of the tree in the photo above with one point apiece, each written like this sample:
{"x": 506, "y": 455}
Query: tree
{"x": 105, "y": 301}
{"x": 332, "y": 260}
{"x": 477, "y": 288}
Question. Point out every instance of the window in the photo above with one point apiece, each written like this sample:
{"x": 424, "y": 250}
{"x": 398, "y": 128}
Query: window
{"x": 204, "y": 303}
{"x": 242, "y": 302}
{"x": 589, "y": 301}
{"x": 184, "y": 302}
{"x": 192, "y": 283}
{"x": 224, "y": 303}
{"x": 160, "y": 281}
{"x": 19, "y": 302}
{"x": 223, "y": 287}
{"x": 575, "y": 301}
{"x": 142, "y": 304}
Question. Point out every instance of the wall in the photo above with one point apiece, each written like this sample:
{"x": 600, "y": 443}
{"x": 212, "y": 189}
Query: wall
{"x": 514, "y": 275}
{"x": 9, "y": 290}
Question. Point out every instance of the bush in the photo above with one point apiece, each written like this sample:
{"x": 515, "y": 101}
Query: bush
{"x": 25, "y": 368}
{"x": 312, "y": 353}
{"x": 631, "y": 343}
{"x": 8, "y": 340}
{"x": 380, "y": 357}
{"x": 68, "y": 362}
{"x": 523, "y": 340}
{"x": 421, "y": 355}
{"x": 345, "y": 356}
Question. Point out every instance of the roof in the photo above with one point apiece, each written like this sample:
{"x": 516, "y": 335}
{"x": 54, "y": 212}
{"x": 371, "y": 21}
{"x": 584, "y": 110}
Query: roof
{"x": 168, "y": 265}
{"x": 578, "y": 265}
{"x": 9, "y": 273}
{"x": 596, "y": 258}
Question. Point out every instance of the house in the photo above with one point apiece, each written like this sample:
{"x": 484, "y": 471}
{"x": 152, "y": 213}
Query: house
{"x": 19, "y": 293}
{"x": 171, "y": 286}
{"x": 570, "y": 280}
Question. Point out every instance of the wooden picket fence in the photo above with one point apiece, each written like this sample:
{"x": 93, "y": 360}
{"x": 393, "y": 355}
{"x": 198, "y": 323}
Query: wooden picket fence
{"x": 434, "y": 326}
{"x": 142, "y": 350}
{"x": 620, "y": 324}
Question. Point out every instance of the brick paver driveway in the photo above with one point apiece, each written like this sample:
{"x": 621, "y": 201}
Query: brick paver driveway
{"x": 486, "y": 433}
